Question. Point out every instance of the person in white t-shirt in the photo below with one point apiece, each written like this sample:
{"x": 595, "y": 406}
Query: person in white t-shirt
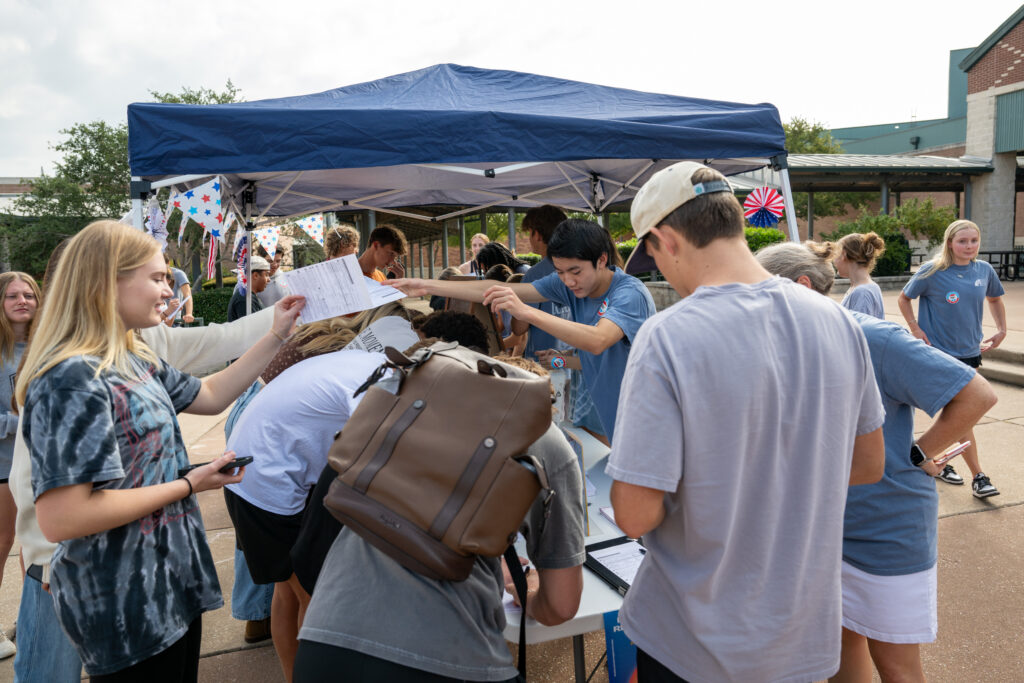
{"x": 726, "y": 457}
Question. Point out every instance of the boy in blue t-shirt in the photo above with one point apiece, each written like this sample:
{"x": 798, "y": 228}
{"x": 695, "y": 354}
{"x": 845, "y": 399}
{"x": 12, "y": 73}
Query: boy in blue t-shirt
{"x": 607, "y": 307}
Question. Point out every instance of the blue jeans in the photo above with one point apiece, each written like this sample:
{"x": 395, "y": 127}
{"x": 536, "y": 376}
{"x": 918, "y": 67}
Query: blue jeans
{"x": 45, "y": 655}
{"x": 249, "y": 601}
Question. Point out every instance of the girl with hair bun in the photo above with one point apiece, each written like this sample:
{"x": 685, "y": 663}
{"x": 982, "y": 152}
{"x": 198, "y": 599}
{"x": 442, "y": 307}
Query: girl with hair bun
{"x": 857, "y": 256}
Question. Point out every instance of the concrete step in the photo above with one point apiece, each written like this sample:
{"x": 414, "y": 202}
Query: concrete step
{"x": 1003, "y": 353}
{"x": 1002, "y": 371}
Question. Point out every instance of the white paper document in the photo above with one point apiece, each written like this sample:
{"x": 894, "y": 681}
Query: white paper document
{"x": 331, "y": 288}
{"x": 381, "y": 294}
{"x": 623, "y": 560}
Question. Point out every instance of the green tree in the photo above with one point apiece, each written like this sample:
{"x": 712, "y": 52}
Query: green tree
{"x": 811, "y": 137}
{"x": 90, "y": 181}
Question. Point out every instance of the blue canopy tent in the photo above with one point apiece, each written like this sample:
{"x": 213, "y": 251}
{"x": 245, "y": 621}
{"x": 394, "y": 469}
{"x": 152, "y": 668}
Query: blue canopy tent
{"x": 456, "y": 137}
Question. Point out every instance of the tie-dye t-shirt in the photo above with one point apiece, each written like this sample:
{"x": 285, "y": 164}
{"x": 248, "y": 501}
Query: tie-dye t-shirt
{"x": 125, "y": 594}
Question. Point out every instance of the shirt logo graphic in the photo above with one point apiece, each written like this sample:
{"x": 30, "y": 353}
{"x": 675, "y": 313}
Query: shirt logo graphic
{"x": 952, "y": 298}
{"x": 603, "y": 309}
{"x": 979, "y": 283}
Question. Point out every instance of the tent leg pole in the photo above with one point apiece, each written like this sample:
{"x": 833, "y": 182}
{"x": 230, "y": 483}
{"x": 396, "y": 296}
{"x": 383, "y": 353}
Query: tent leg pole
{"x": 787, "y": 196}
{"x": 430, "y": 263}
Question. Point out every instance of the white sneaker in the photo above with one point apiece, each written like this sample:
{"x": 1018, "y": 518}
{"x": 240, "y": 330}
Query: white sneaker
{"x": 7, "y": 648}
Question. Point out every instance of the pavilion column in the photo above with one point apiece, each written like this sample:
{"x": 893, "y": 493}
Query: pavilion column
{"x": 444, "y": 241}
{"x": 885, "y": 196}
{"x": 967, "y": 198}
{"x": 430, "y": 257}
{"x": 462, "y": 240}
{"x": 512, "y": 230}
{"x": 810, "y": 215}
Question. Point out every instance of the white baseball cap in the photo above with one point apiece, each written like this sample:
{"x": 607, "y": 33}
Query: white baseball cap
{"x": 666, "y": 191}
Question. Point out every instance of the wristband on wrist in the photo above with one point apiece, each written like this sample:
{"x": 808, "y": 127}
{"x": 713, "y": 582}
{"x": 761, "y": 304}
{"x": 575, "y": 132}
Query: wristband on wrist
{"x": 191, "y": 491}
{"x": 284, "y": 340}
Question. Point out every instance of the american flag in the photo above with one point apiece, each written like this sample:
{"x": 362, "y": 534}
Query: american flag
{"x": 211, "y": 261}
{"x": 242, "y": 256}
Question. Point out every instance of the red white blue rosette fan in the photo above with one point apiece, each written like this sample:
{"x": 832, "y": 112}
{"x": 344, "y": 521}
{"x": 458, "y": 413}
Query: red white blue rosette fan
{"x": 763, "y": 207}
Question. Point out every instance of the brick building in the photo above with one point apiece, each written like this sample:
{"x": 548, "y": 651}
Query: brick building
{"x": 985, "y": 122}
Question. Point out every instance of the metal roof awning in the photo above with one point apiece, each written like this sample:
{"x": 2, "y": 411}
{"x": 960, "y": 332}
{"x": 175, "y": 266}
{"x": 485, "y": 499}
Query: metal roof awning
{"x": 868, "y": 172}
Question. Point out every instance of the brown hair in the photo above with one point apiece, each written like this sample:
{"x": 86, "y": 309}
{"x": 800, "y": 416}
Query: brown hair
{"x": 708, "y": 217}
{"x": 543, "y": 220}
{"x": 389, "y": 236}
{"x": 862, "y": 249}
{"x": 340, "y": 237}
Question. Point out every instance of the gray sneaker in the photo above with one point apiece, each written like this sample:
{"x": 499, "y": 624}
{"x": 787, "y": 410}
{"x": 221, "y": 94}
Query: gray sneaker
{"x": 949, "y": 475}
{"x": 983, "y": 487}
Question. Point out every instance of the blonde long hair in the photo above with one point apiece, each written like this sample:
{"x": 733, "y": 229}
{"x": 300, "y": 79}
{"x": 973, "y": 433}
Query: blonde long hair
{"x": 80, "y": 316}
{"x": 333, "y": 334}
{"x": 944, "y": 259}
{"x": 6, "y": 331}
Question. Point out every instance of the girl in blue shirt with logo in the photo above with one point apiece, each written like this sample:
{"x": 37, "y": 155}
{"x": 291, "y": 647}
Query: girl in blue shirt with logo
{"x": 954, "y": 287}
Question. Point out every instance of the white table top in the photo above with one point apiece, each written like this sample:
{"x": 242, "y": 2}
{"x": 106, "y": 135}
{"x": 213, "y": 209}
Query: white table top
{"x": 598, "y": 597}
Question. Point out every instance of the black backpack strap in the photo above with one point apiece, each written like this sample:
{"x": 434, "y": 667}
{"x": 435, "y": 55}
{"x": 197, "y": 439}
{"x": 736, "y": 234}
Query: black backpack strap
{"x": 519, "y": 580}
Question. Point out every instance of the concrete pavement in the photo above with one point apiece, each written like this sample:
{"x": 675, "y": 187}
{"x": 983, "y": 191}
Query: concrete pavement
{"x": 981, "y": 587}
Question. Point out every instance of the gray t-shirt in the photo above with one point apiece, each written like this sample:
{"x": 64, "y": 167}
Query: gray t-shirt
{"x": 128, "y": 593}
{"x": 867, "y": 299}
{"x": 366, "y": 601}
{"x": 741, "y": 403}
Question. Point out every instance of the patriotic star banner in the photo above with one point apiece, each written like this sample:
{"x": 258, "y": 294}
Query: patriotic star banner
{"x": 202, "y": 204}
{"x": 156, "y": 222}
{"x": 763, "y": 207}
{"x": 313, "y": 226}
{"x": 268, "y": 237}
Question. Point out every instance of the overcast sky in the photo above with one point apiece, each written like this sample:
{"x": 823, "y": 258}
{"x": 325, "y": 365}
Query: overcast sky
{"x": 843, "y": 64}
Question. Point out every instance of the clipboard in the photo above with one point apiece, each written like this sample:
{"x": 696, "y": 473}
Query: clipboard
{"x": 609, "y": 574}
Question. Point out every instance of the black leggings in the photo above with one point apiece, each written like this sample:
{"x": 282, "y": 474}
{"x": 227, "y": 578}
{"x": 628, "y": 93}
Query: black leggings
{"x": 316, "y": 662}
{"x": 650, "y": 670}
{"x": 177, "y": 664}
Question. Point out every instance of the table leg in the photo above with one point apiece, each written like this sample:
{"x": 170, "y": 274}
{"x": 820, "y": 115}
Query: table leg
{"x": 579, "y": 659}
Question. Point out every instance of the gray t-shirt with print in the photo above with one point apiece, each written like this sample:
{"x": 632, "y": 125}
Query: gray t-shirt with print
{"x": 366, "y": 601}
{"x": 125, "y": 594}
{"x": 742, "y": 403}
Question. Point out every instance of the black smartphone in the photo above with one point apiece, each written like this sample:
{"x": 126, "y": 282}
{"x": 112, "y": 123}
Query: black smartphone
{"x": 227, "y": 469}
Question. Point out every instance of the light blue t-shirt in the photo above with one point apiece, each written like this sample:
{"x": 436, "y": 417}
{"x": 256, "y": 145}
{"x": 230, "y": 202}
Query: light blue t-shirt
{"x": 627, "y": 303}
{"x": 752, "y": 444}
{"x": 539, "y": 340}
{"x": 891, "y": 527}
{"x": 952, "y": 304}
{"x": 865, "y": 299}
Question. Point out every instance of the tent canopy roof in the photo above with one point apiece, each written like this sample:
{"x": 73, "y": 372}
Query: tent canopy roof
{"x": 449, "y": 135}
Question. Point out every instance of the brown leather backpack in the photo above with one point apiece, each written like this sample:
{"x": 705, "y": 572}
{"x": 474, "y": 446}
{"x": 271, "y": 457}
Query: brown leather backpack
{"x": 431, "y": 465}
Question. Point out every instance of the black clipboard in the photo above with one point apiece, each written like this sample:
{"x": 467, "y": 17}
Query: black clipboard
{"x": 609, "y": 577}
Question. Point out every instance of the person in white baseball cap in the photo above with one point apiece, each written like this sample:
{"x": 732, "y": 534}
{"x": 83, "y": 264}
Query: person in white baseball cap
{"x": 727, "y": 458}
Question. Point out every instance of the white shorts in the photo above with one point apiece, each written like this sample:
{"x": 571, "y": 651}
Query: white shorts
{"x": 891, "y": 609}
